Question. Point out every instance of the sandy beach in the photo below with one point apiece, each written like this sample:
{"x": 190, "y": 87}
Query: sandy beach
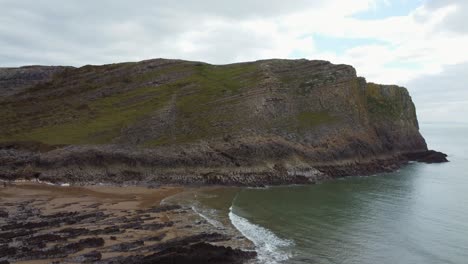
{"x": 43, "y": 223}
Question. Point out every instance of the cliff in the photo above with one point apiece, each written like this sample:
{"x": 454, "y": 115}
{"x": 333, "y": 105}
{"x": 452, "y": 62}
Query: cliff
{"x": 171, "y": 121}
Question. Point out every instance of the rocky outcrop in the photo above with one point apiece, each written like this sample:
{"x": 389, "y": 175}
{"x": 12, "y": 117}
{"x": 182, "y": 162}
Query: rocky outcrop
{"x": 92, "y": 230}
{"x": 16, "y": 80}
{"x": 196, "y": 253}
{"x": 178, "y": 122}
{"x": 430, "y": 156}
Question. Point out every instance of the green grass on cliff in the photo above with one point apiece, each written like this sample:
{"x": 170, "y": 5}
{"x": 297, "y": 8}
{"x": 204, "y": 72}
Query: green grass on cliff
{"x": 312, "y": 119}
{"x": 384, "y": 106}
{"x": 75, "y": 109}
{"x": 302, "y": 122}
{"x": 171, "y": 102}
{"x": 214, "y": 82}
{"x": 104, "y": 122}
{"x": 202, "y": 101}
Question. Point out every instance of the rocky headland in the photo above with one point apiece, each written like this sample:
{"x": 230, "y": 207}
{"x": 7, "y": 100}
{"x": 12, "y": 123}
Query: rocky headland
{"x": 170, "y": 122}
{"x": 160, "y": 122}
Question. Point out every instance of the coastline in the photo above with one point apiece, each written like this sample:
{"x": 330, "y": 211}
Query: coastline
{"x": 107, "y": 224}
{"x": 155, "y": 230}
{"x": 111, "y": 165}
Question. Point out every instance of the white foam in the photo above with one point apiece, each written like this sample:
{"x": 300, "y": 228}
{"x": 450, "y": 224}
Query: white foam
{"x": 33, "y": 181}
{"x": 210, "y": 220}
{"x": 270, "y": 248}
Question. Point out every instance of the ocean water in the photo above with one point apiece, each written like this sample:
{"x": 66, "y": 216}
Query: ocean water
{"x": 418, "y": 214}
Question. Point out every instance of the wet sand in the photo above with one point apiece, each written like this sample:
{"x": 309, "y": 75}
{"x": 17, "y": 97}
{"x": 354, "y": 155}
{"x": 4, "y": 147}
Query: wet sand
{"x": 43, "y": 223}
{"x": 119, "y": 197}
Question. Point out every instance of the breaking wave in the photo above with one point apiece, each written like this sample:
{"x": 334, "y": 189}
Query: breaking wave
{"x": 270, "y": 248}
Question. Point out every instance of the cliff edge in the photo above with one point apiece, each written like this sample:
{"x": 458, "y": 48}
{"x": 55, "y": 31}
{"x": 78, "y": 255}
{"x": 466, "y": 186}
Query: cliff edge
{"x": 180, "y": 122}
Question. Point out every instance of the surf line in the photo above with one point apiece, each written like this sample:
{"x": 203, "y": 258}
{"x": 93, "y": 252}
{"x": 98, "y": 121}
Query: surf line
{"x": 269, "y": 247}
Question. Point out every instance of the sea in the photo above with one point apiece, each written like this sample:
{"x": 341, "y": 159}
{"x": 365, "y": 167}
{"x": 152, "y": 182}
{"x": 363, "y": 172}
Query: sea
{"x": 416, "y": 215}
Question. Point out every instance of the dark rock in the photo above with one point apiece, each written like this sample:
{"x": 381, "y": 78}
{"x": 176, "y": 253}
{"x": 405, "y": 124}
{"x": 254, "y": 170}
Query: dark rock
{"x": 122, "y": 260}
{"x": 5, "y": 240}
{"x": 90, "y": 242}
{"x": 430, "y": 156}
{"x": 184, "y": 241}
{"x": 60, "y": 251}
{"x": 156, "y": 238}
{"x": 70, "y": 232}
{"x": 29, "y": 225}
{"x": 107, "y": 231}
{"x": 6, "y": 251}
{"x": 61, "y": 215}
{"x": 3, "y": 214}
{"x": 40, "y": 241}
{"x": 136, "y": 225}
{"x": 90, "y": 257}
{"x": 155, "y": 226}
{"x": 89, "y": 217}
{"x": 16, "y": 233}
{"x": 124, "y": 247}
{"x": 45, "y": 238}
{"x": 163, "y": 208}
{"x": 198, "y": 253}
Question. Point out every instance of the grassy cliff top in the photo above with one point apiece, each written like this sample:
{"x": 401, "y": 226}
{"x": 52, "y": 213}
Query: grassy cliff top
{"x": 160, "y": 102}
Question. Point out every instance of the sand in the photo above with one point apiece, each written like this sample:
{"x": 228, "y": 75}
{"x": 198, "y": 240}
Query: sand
{"x": 130, "y": 220}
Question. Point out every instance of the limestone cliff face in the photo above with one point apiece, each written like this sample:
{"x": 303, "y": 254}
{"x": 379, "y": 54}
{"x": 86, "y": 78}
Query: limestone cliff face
{"x": 394, "y": 118}
{"x": 170, "y": 121}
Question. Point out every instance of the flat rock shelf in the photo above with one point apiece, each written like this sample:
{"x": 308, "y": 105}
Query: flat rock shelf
{"x": 52, "y": 224}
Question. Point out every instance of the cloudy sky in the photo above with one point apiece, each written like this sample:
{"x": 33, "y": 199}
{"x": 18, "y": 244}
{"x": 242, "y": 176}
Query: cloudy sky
{"x": 420, "y": 44}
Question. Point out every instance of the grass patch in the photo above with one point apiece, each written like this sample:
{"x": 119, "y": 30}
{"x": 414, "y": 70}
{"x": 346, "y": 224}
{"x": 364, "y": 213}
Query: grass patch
{"x": 385, "y": 105}
{"x": 198, "y": 105}
{"x": 102, "y": 120}
{"x": 302, "y": 122}
{"x": 57, "y": 112}
{"x": 312, "y": 119}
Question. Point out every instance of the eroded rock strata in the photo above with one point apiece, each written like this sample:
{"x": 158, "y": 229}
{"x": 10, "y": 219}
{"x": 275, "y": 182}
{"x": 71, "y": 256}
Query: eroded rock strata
{"x": 179, "y": 122}
{"x": 51, "y": 224}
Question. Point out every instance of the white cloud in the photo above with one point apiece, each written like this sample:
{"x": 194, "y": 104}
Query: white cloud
{"x": 82, "y": 32}
{"x": 78, "y": 32}
{"x": 444, "y": 96}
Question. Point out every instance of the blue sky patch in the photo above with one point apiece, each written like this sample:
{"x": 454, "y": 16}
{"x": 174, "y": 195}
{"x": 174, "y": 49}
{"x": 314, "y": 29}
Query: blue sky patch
{"x": 339, "y": 45}
{"x": 393, "y": 8}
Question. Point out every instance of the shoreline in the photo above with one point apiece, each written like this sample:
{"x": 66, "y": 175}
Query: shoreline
{"x": 134, "y": 207}
{"x": 43, "y": 223}
{"x": 271, "y": 173}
